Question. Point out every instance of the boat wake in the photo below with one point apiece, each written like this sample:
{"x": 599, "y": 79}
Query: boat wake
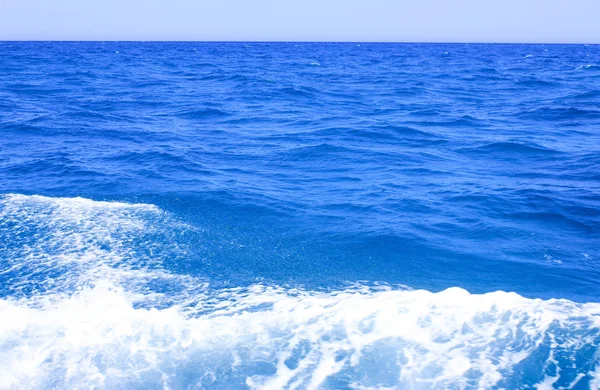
{"x": 89, "y": 300}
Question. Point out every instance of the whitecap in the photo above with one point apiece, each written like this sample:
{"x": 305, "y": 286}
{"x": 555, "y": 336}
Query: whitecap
{"x": 101, "y": 324}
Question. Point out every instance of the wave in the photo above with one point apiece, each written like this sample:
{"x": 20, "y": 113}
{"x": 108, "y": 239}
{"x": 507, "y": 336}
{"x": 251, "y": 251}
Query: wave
{"x": 296, "y": 92}
{"x": 266, "y": 337}
{"x": 511, "y": 147}
{"x": 588, "y": 67}
{"x": 93, "y": 303}
{"x": 466, "y": 121}
{"x": 382, "y": 133}
{"x": 592, "y": 94}
{"x": 536, "y": 83}
{"x": 560, "y": 113}
{"x": 202, "y": 113}
{"x": 57, "y": 246}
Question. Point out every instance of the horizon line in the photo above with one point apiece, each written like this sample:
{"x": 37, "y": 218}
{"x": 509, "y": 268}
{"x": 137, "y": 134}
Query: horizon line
{"x": 293, "y": 41}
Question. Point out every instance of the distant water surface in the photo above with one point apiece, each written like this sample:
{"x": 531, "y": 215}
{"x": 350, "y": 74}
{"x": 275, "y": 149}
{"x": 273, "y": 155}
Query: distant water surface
{"x": 299, "y": 216}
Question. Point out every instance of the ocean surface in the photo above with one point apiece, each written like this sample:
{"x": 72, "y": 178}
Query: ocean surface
{"x": 299, "y": 216}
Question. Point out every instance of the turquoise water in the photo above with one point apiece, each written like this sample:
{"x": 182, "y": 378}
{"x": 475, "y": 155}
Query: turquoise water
{"x": 299, "y": 215}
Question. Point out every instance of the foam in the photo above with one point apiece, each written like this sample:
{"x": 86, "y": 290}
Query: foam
{"x": 595, "y": 382}
{"x": 88, "y": 329}
{"x": 60, "y": 245}
{"x": 97, "y": 338}
{"x": 587, "y": 66}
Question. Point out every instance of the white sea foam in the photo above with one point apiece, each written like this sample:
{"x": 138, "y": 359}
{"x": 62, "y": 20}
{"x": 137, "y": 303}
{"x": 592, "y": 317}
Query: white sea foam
{"x": 97, "y": 335}
{"x": 58, "y": 245}
{"x": 587, "y": 66}
{"x": 271, "y": 339}
{"x": 595, "y": 382}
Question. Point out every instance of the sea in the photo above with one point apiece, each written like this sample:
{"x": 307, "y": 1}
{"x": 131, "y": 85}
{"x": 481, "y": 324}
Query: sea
{"x": 195, "y": 215}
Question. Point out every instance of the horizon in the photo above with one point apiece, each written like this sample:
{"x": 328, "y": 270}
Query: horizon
{"x": 311, "y": 42}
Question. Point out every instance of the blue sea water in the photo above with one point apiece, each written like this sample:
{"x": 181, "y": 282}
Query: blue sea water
{"x": 299, "y": 216}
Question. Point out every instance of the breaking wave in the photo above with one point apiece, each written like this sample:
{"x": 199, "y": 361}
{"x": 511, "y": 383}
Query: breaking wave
{"x": 89, "y": 300}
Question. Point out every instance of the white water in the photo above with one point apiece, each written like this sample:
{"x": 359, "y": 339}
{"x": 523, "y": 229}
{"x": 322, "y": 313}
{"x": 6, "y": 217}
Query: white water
{"x": 100, "y": 324}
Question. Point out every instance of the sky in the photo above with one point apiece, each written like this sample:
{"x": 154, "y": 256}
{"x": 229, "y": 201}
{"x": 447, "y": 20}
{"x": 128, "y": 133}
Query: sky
{"x": 519, "y": 21}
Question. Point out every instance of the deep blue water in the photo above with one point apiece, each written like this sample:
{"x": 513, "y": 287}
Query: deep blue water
{"x": 299, "y": 215}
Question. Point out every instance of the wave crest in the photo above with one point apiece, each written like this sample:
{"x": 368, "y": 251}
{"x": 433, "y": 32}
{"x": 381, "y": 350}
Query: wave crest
{"x": 108, "y": 327}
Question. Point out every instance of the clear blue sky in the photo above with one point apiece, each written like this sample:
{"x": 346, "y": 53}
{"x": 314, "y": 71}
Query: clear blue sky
{"x": 576, "y": 21}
